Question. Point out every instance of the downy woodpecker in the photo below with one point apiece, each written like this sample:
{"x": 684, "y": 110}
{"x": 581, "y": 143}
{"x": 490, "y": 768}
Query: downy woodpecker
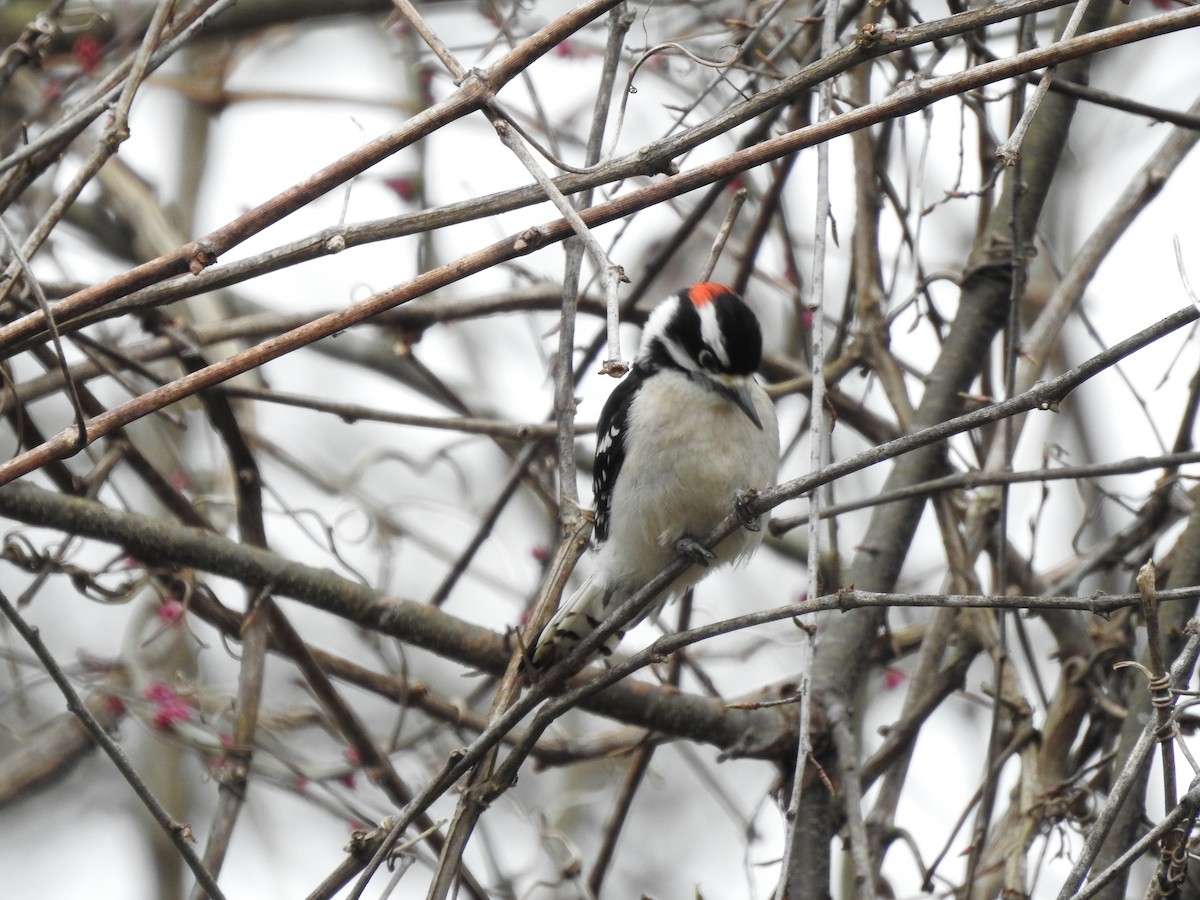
{"x": 678, "y": 442}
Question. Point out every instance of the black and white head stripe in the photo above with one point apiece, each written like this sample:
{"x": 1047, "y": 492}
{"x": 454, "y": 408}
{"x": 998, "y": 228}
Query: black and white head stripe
{"x": 707, "y": 328}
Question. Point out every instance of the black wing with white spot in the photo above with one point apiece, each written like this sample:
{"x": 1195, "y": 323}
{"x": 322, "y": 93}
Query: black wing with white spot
{"x": 610, "y": 448}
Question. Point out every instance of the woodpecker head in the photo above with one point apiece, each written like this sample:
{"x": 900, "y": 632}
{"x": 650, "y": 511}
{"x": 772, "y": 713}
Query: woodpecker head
{"x": 711, "y": 335}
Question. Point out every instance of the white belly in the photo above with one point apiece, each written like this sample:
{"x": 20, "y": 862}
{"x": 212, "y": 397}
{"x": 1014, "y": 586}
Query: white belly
{"x": 680, "y": 477}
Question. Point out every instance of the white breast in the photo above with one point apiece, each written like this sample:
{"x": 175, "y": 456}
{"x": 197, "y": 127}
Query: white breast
{"x": 682, "y": 470}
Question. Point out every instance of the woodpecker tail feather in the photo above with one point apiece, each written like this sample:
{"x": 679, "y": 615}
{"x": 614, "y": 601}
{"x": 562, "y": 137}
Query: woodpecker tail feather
{"x": 582, "y": 614}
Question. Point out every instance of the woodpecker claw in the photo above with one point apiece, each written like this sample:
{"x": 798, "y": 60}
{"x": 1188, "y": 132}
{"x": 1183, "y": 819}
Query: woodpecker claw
{"x": 741, "y": 506}
{"x": 695, "y": 551}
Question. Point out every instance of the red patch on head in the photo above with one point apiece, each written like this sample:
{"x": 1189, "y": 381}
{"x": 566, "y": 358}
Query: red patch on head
{"x": 704, "y": 294}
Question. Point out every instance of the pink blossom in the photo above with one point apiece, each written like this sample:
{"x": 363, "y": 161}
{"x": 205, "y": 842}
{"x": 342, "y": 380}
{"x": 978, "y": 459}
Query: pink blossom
{"x": 169, "y": 708}
{"x": 87, "y": 52}
{"x": 171, "y": 611}
{"x": 570, "y": 49}
{"x": 405, "y": 187}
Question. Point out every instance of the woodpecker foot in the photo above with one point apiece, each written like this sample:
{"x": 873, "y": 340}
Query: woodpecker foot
{"x": 741, "y": 506}
{"x": 695, "y": 551}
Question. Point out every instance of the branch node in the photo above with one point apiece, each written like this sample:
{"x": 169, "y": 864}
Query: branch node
{"x": 528, "y": 240}
{"x": 614, "y": 368}
{"x": 868, "y": 36}
{"x": 1008, "y": 157}
{"x": 200, "y": 257}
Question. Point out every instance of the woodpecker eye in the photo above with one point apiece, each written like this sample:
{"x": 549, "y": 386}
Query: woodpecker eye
{"x": 707, "y": 359}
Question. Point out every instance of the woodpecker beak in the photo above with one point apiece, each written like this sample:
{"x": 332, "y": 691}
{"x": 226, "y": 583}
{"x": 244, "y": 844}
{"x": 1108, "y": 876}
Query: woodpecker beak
{"x": 740, "y": 394}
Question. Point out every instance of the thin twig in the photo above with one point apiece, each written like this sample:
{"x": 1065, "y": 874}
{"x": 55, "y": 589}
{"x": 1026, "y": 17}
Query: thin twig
{"x": 179, "y": 834}
{"x": 1010, "y": 150}
{"x": 21, "y": 264}
{"x": 1185, "y": 809}
{"x": 620, "y": 19}
{"x": 235, "y": 765}
{"x": 1181, "y": 672}
{"x": 611, "y": 275}
{"x": 793, "y": 872}
{"x": 849, "y": 771}
{"x": 487, "y": 522}
{"x": 718, "y": 244}
{"x": 475, "y": 796}
{"x": 979, "y": 478}
{"x": 635, "y": 772}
